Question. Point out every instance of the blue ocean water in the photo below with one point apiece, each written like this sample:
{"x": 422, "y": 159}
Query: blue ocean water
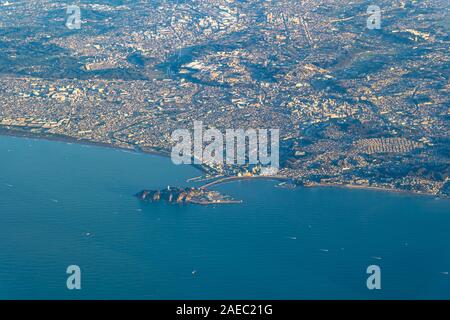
{"x": 63, "y": 204}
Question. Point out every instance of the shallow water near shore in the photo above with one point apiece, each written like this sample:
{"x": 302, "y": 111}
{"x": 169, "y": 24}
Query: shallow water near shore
{"x": 63, "y": 204}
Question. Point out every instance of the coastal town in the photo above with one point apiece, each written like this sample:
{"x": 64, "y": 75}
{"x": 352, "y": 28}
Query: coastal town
{"x": 355, "y": 107}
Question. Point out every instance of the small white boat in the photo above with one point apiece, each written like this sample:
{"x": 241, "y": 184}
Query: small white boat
{"x": 324, "y": 250}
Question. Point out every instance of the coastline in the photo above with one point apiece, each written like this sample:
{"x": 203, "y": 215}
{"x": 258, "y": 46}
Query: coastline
{"x": 373, "y": 188}
{"x": 318, "y": 185}
{"x": 68, "y": 139}
{"x": 147, "y": 150}
{"x": 56, "y": 137}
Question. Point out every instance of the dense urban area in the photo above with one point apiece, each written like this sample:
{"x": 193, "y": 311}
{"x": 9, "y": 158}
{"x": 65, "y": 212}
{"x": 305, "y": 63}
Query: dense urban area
{"x": 355, "y": 106}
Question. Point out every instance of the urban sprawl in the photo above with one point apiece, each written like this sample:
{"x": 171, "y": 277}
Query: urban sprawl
{"x": 355, "y": 106}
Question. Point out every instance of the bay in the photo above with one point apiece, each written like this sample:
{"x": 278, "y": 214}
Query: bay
{"x": 63, "y": 204}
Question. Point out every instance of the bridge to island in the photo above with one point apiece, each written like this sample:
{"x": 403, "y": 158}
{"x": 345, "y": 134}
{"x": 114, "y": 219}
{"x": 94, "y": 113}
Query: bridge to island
{"x": 236, "y": 178}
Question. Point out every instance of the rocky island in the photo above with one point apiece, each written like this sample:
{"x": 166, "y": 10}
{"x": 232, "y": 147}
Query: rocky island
{"x": 186, "y": 195}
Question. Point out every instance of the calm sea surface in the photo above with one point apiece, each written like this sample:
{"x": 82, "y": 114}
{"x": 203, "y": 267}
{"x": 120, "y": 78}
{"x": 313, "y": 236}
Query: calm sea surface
{"x": 64, "y": 204}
